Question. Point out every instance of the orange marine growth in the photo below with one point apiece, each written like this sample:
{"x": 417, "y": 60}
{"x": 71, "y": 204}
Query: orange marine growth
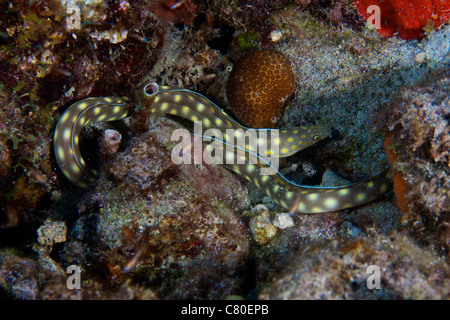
{"x": 400, "y": 186}
{"x": 409, "y": 18}
{"x": 258, "y": 87}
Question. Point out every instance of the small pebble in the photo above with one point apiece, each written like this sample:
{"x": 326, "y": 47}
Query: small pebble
{"x": 420, "y": 57}
{"x": 52, "y": 232}
{"x": 275, "y": 36}
{"x": 283, "y": 221}
{"x": 268, "y": 202}
{"x": 261, "y": 228}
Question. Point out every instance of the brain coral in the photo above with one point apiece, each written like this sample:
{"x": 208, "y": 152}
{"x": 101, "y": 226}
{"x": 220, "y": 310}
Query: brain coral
{"x": 258, "y": 87}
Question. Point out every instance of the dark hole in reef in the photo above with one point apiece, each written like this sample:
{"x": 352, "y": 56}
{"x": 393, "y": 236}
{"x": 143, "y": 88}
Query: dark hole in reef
{"x": 4, "y": 295}
{"x": 299, "y": 177}
{"x": 447, "y": 118}
{"x": 90, "y": 147}
{"x": 199, "y": 20}
{"x": 52, "y": 87}
{"x": 180, "y": 26}
{"x": 3, "y": 218}
{"x": 90, "y": 142}
{"x": 3, "y": 39}
{"x": 222, "y": 40}
{"x": 355, "y": 285}
{"x": 336, "y": 134}
{"x": 21, "y": 236}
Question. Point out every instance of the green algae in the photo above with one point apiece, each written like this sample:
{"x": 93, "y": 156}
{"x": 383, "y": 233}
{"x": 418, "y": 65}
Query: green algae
{"x": 248, "y": 41}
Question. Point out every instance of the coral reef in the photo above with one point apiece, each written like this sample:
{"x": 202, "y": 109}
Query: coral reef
{"x": 339, "y": 270}
{"x": 25, "y": 278}
{"x": 19, "y": 275}
{"x": 418, "y": 143}
{"x": 345, "y": 88}
{"x": 45, "y": 65}
{"x": 175, "y": 11}
{"x": 150, "y": 229}
{"x": 259, "y": 86}
{"x": 411, "y": 19}
{"x": 185, "y": 234}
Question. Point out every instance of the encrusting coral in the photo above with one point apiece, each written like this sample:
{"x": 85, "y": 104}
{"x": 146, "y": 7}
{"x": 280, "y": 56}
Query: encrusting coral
{"x": 410, "y": 18}
{"x": 259, "y": 86}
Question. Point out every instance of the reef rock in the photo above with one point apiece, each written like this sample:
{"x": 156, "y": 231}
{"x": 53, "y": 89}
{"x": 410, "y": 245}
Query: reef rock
{"x": 175, "y": 228}
{"x": 418, "y": 148}
{"x": 386, "y": 267}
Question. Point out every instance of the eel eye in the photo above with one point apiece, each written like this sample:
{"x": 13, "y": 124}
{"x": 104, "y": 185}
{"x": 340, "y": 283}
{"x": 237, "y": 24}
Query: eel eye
{"x": 316, "y": 137}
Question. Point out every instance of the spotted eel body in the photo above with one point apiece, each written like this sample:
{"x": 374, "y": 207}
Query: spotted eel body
{"x": 67, "y": 134}
{"x": 195, "y": 107}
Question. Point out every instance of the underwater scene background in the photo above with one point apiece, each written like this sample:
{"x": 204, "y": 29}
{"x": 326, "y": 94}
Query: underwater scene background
{"x": 142, "y": 227}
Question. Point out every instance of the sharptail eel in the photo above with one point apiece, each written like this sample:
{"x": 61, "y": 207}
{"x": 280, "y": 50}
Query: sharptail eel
{"x": 195, "y": 107}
